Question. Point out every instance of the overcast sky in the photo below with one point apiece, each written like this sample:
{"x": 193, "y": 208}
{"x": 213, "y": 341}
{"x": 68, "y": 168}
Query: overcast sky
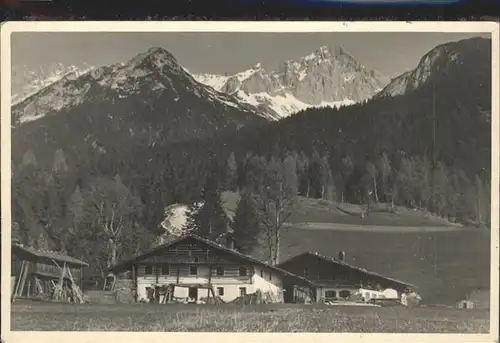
{"x": 390, "y": 53}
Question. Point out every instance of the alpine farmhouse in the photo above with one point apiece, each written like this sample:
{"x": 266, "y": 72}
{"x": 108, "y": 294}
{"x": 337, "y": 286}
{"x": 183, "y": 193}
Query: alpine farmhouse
{"x": 199, "y": 269}
{"x": 333, "y": 279}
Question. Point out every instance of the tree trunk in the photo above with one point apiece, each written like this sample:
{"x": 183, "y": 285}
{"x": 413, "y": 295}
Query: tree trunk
{"x": 114, "y": 252}
{"x": 277, "y": 236}
{"x": 479, "y": 219}
{"x": 375, "y": 188}
{"x": 270, "y": 244}
{"x": 276, "y": 259}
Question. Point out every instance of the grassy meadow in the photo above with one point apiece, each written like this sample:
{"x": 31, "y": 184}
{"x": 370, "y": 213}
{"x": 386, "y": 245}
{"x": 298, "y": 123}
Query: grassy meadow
{"x": 444, "y": 260}
{"x": 38, "y": 316}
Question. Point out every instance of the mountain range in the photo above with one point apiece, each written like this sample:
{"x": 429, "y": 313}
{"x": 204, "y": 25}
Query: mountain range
{"x": 152, "y": 99}
{"x": 330, "y": 76}
{"x": 149, "y": 99}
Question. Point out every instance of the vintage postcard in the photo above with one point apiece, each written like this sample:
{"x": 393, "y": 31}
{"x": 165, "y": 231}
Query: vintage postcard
{"x": 250, "y": 181}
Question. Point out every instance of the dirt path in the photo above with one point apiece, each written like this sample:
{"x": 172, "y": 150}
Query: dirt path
{"x": 376, "y": 228}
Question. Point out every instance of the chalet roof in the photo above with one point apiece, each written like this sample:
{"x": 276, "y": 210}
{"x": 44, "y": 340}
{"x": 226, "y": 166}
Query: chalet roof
{"x": 53, "y": 255}
{"x": 125, "y": 264}
{"x": 346, "y": 265}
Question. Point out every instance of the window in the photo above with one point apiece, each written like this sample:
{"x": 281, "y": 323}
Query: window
{"x": 196, "y": 259}
{"x": 193, "y": 270}
{"x": 344, "y": 294}
{"x": 330, "y": 294}
{"x": 165, "y": 269}
{"x": 262, "y": 273}
{"x": 367, "y": 295}
{"x": 305, "y": 272}
{"x": 243, "y": 271}
{"x": 220, "y": 291}
{"x": 220, "y": 271}
{"x": 148, "y": 270}
{"x": 243, "y": 291}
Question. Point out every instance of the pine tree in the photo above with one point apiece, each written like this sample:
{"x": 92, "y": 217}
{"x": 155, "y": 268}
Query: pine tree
{"x": 59, "y": 163}
{"x": 303, "y": 174}
{"x": 423, "y": 184}
{"x": 192, "y": 224}
{"x": 384, "y": 169}
{"x": 481, "y": 200}
{"x": 315, "y": 185}
{"x": 76, "y": 208}
{"x": 290, "y": 173}
{"x": 440, "y": 189}
{"x": 347, "y": 168}
{"x": 208, "y": 218}
{"x": 232, "y": 173}
{"x": 406, "y": 181}
{"x": 246, "y": 224}
{"x": 373, "y": 175}
{"x": 327, "y": 181}
{"x": 29, "y": 159}
{"x": 16, "y": 233}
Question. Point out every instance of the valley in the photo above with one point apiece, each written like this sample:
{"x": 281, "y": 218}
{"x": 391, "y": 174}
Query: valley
{"x": 321, "y": 154}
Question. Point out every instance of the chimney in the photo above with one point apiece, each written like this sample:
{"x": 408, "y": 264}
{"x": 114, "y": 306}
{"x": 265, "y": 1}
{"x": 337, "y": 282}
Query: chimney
{"x": 341, "y": 256}
{"x": 230, "y": 243}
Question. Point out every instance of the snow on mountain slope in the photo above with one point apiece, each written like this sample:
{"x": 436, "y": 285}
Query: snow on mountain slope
{"x": 154, "y": 71}
{"x": 284, "y": 105}
{"x": 27, "y": 82}
{"x": 212, "y": 80}
{"x": 327, "y": 77}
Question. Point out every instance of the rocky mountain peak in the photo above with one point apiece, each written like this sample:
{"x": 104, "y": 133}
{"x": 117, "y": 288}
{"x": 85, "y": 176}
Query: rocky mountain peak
{"x": 328, "y": 76}
{"x": 153, "y": 73}
{"x": 155, "y": 58}
{"x": 437, "y": 63}
{"x": 257, "y": 66}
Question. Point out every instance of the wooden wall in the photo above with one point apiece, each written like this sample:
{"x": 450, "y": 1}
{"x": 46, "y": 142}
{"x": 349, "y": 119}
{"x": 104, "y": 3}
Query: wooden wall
{"x": 44, "y": 266}
{"x": 181, "y": 271}
{"x": 318, "y": 270}
{"x": 191, "y": 251}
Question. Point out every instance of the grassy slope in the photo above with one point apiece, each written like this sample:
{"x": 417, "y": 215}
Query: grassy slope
{"x": 256, "y": 318}
{"x": 444, "y": 263}
{"x": 322, "y": 211}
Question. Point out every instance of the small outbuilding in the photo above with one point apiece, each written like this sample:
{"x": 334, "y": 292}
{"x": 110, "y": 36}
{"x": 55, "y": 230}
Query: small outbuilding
{"x": 478, "y": 298}
{"x": 465, "y": 304}
{"x": 44, "y": 274}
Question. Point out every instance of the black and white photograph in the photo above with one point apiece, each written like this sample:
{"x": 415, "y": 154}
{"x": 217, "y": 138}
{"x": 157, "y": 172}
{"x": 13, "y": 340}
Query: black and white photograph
{"x": 270, "y": 178}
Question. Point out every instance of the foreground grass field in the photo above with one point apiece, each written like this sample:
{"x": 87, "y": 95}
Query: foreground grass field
{"x": 37, "y": 316}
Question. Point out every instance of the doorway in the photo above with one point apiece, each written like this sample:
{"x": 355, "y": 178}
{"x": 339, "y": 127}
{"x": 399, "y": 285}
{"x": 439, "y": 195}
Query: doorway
{"x": 193, "y": 293}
